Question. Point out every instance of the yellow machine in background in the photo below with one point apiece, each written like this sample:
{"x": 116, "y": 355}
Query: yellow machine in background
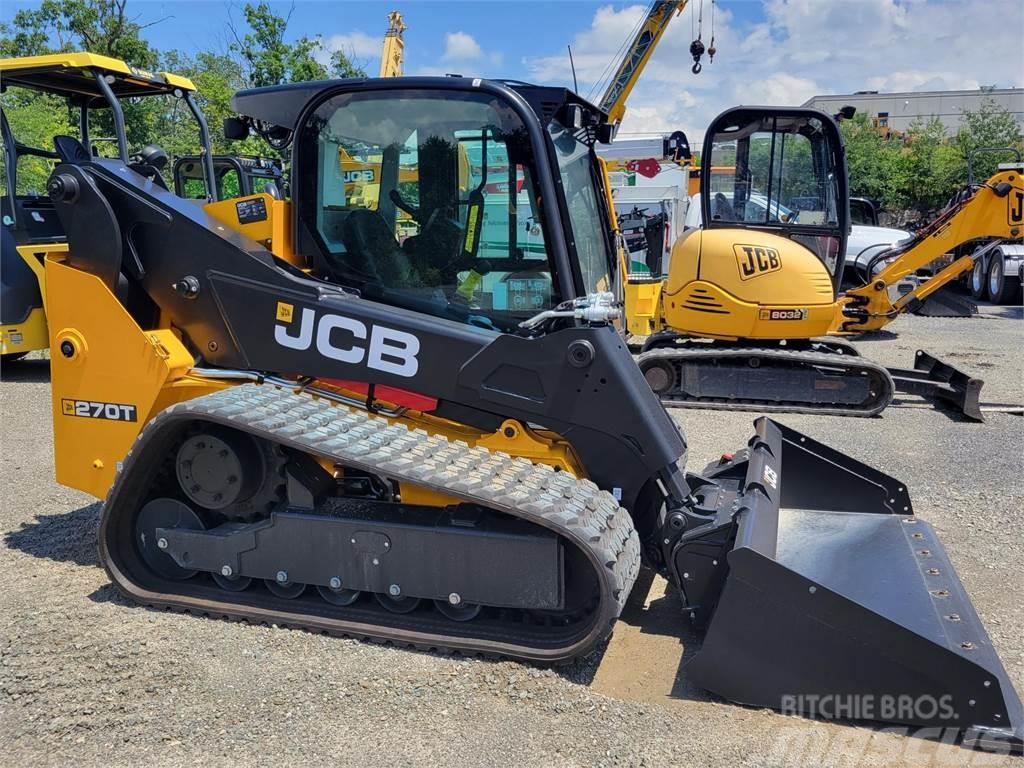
{"x": 31, "y": 230}
{"x": 736, "y": 322}
{"x": 392, "y": 56}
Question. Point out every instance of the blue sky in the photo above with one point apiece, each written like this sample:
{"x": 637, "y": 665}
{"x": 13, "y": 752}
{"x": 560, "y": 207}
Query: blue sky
{"x": 517, "y": 31}
{"x": 769, "y": 51}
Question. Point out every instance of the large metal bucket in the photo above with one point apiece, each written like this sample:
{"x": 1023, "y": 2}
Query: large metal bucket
{"x": 839, "y": 603}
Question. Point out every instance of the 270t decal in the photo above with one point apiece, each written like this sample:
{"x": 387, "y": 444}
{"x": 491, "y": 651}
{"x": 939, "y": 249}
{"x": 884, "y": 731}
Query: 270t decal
{"x": 92, "y": 409}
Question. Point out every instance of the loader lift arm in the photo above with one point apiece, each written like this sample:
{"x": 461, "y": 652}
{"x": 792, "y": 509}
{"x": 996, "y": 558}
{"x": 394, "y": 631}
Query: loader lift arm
{"x": 994, "y": 209}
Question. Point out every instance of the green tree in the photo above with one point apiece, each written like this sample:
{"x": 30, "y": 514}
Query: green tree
{"x": 990, "y": 126}
{"x": 929, "y": 170}
{"x": 269, "y": 59}
{"x": 97, "y": 26}
{"x": 869, "y": 158}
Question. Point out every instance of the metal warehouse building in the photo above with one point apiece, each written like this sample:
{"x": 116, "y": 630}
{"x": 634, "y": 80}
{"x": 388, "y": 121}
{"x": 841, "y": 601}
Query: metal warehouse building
{"x": 896, "y": 111}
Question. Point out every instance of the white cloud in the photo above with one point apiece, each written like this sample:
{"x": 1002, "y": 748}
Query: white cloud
{"x": 361, "y": 48}
{"x": 800, "y": 49}
{"x": 458, "y": 46}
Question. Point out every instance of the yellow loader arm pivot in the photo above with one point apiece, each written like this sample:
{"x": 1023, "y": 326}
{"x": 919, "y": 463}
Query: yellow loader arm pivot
{"x": 994, "y": 209}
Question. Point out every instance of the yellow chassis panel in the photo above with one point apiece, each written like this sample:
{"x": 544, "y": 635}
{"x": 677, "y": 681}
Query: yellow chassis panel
{"x": 105, "y": 391}
{"x": 27, "y": 336}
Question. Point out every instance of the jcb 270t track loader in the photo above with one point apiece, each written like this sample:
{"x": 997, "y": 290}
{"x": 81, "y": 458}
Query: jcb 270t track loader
{"x": 435, "y": 435}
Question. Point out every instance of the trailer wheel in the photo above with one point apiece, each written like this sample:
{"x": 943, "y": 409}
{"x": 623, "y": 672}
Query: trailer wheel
{"x": 1002, "y": 289}
{"x": 978, "y": 286}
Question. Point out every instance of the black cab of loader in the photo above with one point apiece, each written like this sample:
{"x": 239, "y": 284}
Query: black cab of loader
{"x": 460, "y": 266}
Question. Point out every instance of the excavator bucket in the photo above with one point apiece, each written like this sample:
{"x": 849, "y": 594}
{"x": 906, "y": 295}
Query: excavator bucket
{"x": 840, "y": 603}
{"x": 946, "y": 303}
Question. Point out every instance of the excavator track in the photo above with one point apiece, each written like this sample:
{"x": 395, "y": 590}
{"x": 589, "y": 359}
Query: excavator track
{"x": 582, "y": 516}
{"x": 767, "y": 380}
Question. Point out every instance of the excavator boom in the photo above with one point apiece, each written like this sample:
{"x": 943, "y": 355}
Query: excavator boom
{"x": 994, "y": 209}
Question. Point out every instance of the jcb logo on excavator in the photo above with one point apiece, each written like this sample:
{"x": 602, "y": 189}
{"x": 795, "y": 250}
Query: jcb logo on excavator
{"x": 756, "y": 260}
{"x": 1015, "y": 207}
{"x": 339, "y": 338}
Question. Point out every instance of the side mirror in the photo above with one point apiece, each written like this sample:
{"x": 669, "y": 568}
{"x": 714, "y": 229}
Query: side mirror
{"x": 846, "y": 113}
{"x": 235, "y": 129}
{"x": 605, "y": 133}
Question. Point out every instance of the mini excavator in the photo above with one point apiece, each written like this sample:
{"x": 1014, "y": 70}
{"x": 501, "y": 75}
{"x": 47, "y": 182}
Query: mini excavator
{"x": 747, "y": 313}
{"x": 433, "y": 433}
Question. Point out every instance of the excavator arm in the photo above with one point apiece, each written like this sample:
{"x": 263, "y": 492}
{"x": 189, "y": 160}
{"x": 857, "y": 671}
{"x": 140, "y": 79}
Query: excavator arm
{"x": 994, "y": 209}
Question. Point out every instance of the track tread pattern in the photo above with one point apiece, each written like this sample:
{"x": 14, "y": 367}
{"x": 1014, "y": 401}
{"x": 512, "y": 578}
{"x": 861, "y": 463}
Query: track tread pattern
{"x": 576, "y": 509}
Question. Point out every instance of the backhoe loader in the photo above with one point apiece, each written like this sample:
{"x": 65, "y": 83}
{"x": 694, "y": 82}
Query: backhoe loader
{"x": 92, "y": 86}
{"x": 436, "y": 437}
{"x": 744, "y": 316}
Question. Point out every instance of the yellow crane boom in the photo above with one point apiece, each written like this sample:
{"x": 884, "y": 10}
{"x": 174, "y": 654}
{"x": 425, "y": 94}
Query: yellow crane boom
{"x": 636, "y": 57}
{"x": 392, "y": 55}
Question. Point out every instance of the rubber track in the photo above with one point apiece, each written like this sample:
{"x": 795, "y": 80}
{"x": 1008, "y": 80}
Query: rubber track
{"x": 575, "y": 509}
{"x": 852, "y": 362}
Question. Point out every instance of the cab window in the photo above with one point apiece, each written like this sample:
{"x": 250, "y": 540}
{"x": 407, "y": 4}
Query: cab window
{"x": 428, "y": 200}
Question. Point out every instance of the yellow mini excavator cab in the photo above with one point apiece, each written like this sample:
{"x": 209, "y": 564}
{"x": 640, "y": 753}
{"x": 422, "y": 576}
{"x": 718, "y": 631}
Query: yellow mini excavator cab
{"x": 766, "y": 263}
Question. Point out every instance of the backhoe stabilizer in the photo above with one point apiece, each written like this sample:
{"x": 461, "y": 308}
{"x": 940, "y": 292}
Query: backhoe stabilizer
{"x": 839, "y": 603}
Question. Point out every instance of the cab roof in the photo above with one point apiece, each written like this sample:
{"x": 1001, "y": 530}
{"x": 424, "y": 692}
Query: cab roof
{"x": 73, "y": 75}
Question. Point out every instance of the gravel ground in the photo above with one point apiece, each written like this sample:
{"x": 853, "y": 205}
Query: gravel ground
{"x": 86, "y": 677}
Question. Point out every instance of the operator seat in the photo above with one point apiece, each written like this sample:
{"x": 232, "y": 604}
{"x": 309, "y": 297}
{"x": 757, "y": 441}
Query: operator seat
{"x": 371, "y": 251}
{"x": 71, "y": 150}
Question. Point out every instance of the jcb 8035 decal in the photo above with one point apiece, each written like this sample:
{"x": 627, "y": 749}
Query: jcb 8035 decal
{"x": 756, "y": 260}
{"x": 91, "y": 409}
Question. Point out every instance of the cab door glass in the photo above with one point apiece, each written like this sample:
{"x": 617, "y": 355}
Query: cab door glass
{"x": 427, "y": 200}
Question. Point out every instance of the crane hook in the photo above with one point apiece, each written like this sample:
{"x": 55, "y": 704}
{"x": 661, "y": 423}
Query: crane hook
{"x": 696, "y": 50}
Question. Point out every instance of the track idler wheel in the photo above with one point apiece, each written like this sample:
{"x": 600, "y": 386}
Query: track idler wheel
{"x": 164, "y": 513}
{"x": 661, "y": 377}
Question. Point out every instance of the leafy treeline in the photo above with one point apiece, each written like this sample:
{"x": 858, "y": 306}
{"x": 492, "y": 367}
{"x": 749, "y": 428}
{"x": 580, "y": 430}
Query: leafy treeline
{"x": 261, "y": 52}
{"x": 913, "y": 175}
{"x": 918, "y": 173}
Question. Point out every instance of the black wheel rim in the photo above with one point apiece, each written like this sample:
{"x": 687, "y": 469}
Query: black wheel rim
{"x": 339, "y": 596}
{"x": 398, "y": 604}
{"x": 285, "y": 589}
{"x": 461, "y": 612}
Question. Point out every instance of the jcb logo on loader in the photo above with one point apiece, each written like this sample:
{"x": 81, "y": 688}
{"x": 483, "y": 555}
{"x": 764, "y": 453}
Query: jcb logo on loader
{"x": 756, "y": 260}
{"x": 388, "y": 350}
{"x": 92, "y": 409}
{"x": 1015, "y": 207}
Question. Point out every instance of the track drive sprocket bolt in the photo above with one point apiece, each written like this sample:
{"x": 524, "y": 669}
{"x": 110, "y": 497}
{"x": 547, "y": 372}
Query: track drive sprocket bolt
{"x": 335, "y": 582}
{"x": 394, "y": 590}
{"x": 454, "y": 598}
{"x": 282, "y": 577}
{"x": 226, "y": 571}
